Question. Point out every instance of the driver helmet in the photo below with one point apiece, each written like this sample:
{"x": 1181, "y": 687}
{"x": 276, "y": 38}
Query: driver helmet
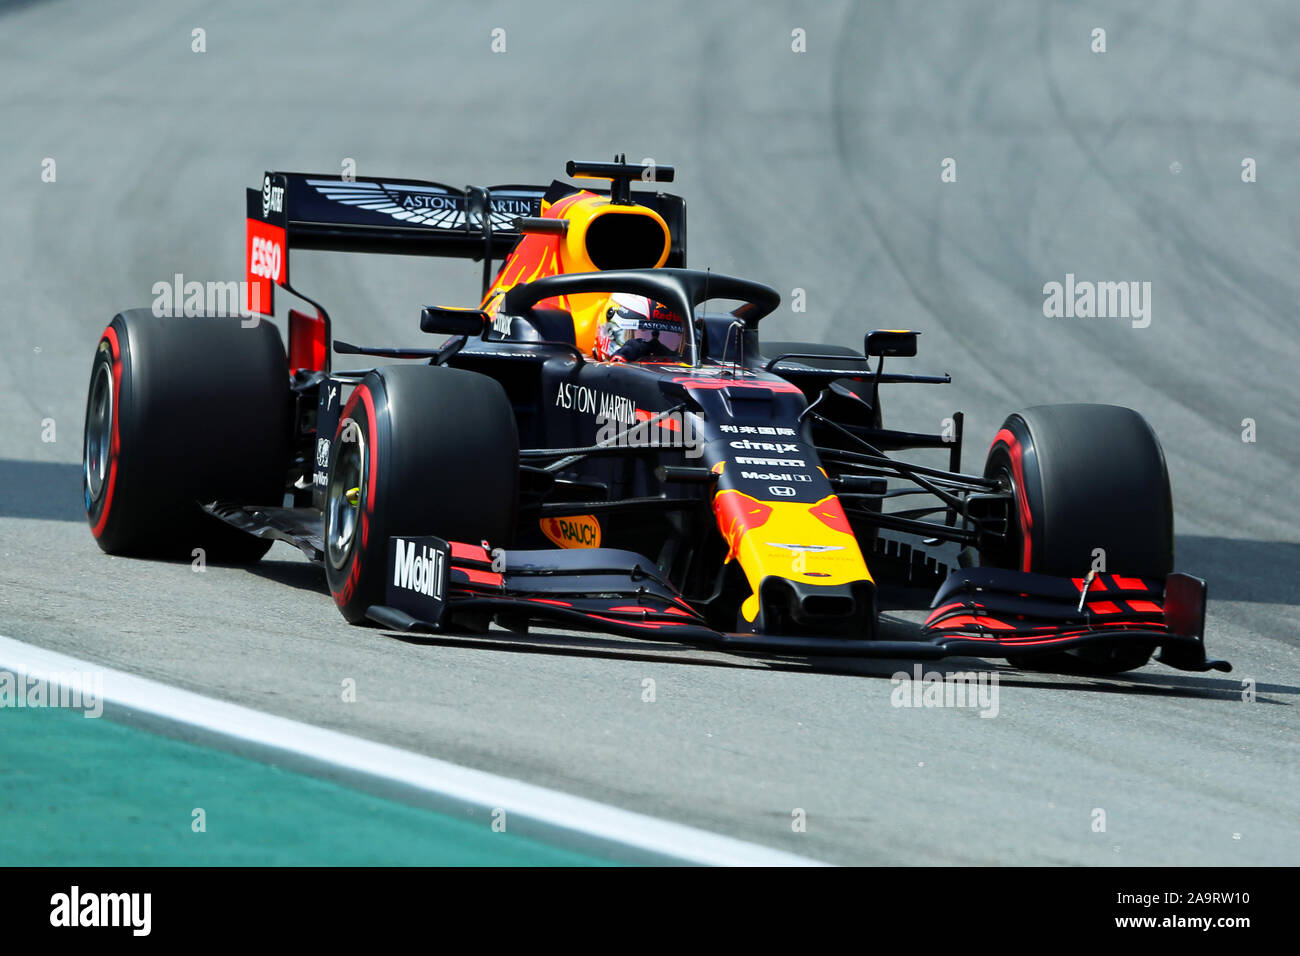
{"x": 635, "y": 329}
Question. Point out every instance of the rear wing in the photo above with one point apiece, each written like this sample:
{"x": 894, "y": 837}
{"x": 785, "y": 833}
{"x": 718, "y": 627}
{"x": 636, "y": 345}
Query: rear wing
{"x": 399, "y": 217}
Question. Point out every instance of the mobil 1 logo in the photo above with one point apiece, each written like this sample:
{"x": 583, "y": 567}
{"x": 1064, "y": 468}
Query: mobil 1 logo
{"x": 418, "y": 569}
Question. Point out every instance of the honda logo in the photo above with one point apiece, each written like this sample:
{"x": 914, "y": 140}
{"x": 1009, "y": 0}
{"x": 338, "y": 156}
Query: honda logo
{"x": 780, "y": 491}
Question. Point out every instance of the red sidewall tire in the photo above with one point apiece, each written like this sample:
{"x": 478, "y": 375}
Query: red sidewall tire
{"x": 200, "y": 412}
{"x": 441, "y": 459}
{"x": 1089, "y": 481}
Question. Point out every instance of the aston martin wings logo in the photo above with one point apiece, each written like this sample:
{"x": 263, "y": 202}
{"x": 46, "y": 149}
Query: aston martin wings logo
{"x": 430, "y": 205}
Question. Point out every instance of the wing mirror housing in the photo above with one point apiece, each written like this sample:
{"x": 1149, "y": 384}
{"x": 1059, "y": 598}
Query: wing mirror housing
{"x": 899, "y": 343}
{"x": 452, "y": 321}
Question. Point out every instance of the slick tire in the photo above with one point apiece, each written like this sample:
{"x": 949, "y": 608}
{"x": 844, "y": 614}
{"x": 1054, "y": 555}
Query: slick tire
{"x": 419, "y": 450}
{"x": 1085, "y": 477}
{"x": 182, "y": 411}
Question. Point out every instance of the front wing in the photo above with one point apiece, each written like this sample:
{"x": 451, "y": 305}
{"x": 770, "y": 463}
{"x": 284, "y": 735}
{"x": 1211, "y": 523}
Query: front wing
{"x": 978, "y": 612}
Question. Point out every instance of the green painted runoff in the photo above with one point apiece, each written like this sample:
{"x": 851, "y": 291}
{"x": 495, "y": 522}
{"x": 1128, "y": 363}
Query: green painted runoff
{"x": 90, "y": 792}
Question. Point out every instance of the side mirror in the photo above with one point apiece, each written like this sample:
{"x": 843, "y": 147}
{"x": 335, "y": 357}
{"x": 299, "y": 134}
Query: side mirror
{"x": 451, "y": 321}
{"x": 899, "y": 343}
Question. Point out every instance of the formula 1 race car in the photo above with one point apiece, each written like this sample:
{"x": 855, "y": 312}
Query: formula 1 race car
{"x": 595, "y": 447}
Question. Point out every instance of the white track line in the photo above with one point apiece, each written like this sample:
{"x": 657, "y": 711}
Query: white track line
{"x": 557, "y": 818}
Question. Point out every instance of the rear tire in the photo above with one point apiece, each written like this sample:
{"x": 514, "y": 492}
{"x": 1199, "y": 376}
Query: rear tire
{"x": 1085, "y": 477}
{"x": 430, "y": 451}
{"x": 182, "y": 411}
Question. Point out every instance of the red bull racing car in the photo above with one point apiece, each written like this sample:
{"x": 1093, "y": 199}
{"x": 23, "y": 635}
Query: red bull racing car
{"x": 607, "y": 442}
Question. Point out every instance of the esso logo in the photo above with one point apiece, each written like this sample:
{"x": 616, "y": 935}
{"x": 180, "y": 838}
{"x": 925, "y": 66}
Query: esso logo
{"x": 266, "y": 258}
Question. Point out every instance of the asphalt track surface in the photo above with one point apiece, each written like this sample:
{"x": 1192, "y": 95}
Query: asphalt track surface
{"x": 819, "y": 171}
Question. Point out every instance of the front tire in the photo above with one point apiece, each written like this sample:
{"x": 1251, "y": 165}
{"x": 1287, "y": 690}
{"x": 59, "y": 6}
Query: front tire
{"x": 419, "y": 450}
{"x": 1089, "y": 482}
